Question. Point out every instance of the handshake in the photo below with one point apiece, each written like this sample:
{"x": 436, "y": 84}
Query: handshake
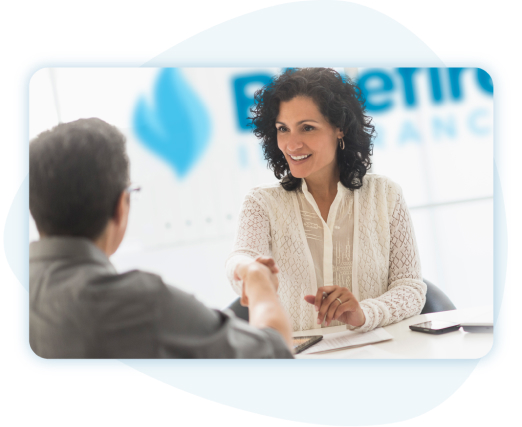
{"x": 257, "y": 276}
{"x": 259, "y": 284}
{"x": 259, "y": 281}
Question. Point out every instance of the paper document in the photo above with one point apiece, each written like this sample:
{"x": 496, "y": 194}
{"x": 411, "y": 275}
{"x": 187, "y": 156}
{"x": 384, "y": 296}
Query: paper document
{"x": 346, "y": 339}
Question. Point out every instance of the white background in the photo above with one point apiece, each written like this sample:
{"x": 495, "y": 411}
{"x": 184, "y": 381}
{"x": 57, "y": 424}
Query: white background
{"x": 182, "y": 228}
{"x": 38, "y": 34}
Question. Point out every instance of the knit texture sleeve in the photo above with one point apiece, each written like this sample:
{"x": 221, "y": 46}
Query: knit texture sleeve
{"x": 406, "y": 293}
{"x": 252, "y": 238}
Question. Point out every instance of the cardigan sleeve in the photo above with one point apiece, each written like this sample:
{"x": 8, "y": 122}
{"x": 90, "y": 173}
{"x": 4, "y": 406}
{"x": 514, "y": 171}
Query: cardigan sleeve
{"x": 253, "y": 236}
{"x": 406, "y": 294}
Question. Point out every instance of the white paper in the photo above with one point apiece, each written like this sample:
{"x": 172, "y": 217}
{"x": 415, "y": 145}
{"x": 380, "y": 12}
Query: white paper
{"x": 346, "y": 339}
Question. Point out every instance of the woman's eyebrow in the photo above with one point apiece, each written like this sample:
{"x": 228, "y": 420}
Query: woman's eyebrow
{"x": 302, "y": 121}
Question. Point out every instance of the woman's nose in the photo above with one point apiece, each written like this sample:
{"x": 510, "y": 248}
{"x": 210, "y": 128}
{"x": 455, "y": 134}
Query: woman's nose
{"x": 294, "y": 143}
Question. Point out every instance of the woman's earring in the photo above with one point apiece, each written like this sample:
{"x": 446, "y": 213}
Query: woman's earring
{"x": 341, "y": 143}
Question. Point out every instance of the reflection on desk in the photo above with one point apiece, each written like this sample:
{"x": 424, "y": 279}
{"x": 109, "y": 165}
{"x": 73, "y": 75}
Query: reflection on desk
{"x": 408, "y": 344}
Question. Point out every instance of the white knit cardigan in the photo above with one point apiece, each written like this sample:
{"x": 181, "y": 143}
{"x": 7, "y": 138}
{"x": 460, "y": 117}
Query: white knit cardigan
{"x": 386, "y": 274}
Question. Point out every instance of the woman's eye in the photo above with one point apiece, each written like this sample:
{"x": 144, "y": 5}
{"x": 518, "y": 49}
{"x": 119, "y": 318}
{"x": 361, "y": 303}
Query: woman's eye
{"x": 308, "y": 128}
{"x": 281, "y": 129}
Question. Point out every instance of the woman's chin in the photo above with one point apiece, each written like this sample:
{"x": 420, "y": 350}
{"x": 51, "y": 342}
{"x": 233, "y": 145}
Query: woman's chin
{"x": 298, "y": 174}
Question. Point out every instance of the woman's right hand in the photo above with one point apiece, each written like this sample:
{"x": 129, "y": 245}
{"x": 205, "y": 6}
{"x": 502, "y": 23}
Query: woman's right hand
{"x": 242, "y": 269}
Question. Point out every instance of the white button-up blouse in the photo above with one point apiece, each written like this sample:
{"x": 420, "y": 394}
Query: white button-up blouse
{"x": 330, "y": 242}
{"x": 367, "y": 245}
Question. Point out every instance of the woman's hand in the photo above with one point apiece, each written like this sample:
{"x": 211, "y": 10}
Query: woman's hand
{"x": 243, "y": 268}
{"x": 340, "y": 304}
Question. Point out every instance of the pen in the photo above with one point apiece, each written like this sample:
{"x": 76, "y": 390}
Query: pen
{"x": 324, "y": 296}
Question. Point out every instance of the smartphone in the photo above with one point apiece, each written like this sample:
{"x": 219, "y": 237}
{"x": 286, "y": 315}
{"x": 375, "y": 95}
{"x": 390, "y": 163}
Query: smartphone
{"x": 435, "y": 327}
{"x": 302, "y": 343}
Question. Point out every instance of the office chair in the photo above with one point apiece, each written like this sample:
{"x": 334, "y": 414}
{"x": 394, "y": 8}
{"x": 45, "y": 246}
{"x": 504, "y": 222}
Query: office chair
{"x": 436, "y": 301}
{"x": 239, "y": 310}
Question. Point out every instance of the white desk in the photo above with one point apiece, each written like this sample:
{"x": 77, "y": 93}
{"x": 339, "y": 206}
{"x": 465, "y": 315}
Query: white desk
{"x": 408, "y": 344}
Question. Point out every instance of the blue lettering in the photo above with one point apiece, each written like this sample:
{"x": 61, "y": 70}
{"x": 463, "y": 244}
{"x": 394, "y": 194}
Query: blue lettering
{"x": 373, "y": 85}
{"x": 379, "y": 138}
{"x": 245, "y": 100}
{"x": 473, "y": 121}
{"x": 484, "y": 80}
{"x": 409, "y": 133}
{"x": 436, "y": 91}
{"x": 242, "y": 156}
{"x": 454, "y": 78}
{"x": 441, "y": 128}
{"x": 409, "y": 92}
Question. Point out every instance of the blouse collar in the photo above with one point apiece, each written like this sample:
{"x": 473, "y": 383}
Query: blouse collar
{"x": 341, "y": 189}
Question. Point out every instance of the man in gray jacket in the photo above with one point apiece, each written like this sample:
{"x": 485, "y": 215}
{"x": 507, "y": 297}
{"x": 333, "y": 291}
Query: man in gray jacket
{"x": 80, "y": 307}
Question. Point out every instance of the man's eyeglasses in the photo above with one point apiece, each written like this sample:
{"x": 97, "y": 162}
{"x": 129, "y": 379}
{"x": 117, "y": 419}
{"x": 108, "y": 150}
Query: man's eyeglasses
{"x": 133, "y": 191}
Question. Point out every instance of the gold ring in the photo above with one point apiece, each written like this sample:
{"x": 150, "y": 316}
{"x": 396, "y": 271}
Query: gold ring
{"x": 340, "y": 302}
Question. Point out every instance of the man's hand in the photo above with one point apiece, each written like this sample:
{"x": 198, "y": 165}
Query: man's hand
{"x": 259, "y": 294}
{"x": 259, "y": 277}
{"x": 254, "y": 271}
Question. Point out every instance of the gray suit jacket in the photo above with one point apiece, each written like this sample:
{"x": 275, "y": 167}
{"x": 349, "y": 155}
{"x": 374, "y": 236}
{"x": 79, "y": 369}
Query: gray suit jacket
{"x": 80, "y": 307}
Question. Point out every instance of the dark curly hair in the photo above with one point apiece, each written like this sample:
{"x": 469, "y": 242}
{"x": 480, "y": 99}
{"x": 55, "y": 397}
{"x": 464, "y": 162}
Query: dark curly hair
{"x": 339, "y": 100}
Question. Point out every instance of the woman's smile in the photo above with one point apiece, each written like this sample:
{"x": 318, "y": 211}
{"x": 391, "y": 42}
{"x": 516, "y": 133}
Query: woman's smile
{"x": 299, "y": 159}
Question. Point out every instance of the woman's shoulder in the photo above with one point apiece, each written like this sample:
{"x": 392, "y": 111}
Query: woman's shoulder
{"x": 270, "y": 195}
{"x": 273, "y": 189}
{"x": 373, "y": 182}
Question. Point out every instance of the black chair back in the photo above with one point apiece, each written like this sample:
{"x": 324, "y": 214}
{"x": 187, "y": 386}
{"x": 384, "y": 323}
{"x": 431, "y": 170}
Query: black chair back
{"x": 239, "y": 310}
{"x": 436, "y": 300}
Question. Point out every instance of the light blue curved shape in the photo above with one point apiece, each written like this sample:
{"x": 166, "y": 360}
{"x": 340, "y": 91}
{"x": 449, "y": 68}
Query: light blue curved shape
{"x": 373, "y": 391}
{"x": 389, "y": 391}
{"x": 326, "y": 392}
{"x": 500, "y": 243}
{"x": 16, "y": 234}
{"x": 276, "y": 387}
{"x": 176, "y": 126}
{"x": 344, "y": 34}
{"x": 309, "y": 33}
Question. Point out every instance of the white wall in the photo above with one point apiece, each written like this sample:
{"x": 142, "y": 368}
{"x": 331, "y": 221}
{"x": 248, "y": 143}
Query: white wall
{"x": 182, "y": 226}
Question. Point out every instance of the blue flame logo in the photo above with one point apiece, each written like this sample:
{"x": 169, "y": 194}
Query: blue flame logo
{"x": 177, "y": 125}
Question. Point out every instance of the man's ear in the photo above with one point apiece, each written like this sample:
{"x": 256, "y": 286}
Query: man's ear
{"x": 121, "y": 213}
{"x": 116, "y": 227}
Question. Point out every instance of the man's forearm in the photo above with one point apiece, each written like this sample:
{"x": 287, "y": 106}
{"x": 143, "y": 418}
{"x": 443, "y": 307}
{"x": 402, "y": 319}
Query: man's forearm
{"x": 265, "y": 309}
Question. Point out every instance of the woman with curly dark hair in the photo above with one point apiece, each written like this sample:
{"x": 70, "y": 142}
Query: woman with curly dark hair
{"x": 342, "y": 239}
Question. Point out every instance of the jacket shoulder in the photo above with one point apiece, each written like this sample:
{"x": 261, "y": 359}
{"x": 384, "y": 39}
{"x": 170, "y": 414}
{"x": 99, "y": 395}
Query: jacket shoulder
{"x": 134, "y": 284}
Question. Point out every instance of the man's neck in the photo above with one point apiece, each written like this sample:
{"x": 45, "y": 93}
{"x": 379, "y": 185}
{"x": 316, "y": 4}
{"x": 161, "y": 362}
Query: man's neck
{"x": 104, "y": 242}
